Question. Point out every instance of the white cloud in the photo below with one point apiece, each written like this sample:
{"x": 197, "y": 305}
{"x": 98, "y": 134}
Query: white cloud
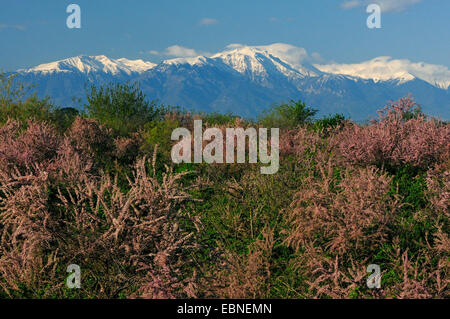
{"x": 386, "y": 5}
{"x": 10, "y": 26}
{"x": 179, "y": 51}
{"x": 395, "y": 5}
{"x": 235, "y": 46}
{"x": 350, "y": 4}
{"x": 386, "y": 68}
{"x": 208, "y": 21}
{"x": 287, "y": 52}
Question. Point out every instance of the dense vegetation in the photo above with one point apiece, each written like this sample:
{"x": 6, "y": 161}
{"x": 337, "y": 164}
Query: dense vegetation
{"x": 98, "y": 189}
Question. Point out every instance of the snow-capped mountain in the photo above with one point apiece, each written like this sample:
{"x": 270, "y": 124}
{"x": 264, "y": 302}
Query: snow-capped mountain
{"x": 244, "y": 80}
{"x": 258, "y": 63}
{"x": 255, "y": 63}
{"x": 387, "y": 69}
{"x": 65, "y": 79}
{"x": 92, "y": 64}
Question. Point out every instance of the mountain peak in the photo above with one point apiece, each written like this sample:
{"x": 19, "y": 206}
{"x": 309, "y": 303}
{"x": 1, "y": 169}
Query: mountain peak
{"x": 90, "y": 64}
{"x": 260, "y": 62}
{"x": 244, "y": 50}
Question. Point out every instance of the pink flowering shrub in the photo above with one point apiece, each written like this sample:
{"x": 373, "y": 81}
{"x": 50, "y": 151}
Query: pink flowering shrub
{"x": 37, "y": 144}
{"x": 90, "y": 139}
{"x": 129, "y": 238}
{"x": 127, "y": 149}
{"x": 348, "y": 216}
{"x": 56, "y": 209}
{"x": 247, "y": 275}
{"x": 438, "y": 183}
{"x": 341, "y": 221}
{"x": 394, "y": 139}
{"x": 299, "y": 142}
{"x": 27, "y": 257}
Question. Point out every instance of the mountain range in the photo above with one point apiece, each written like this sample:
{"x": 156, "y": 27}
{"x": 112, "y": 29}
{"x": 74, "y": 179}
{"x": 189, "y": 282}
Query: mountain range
{"x": 244, "y": 80}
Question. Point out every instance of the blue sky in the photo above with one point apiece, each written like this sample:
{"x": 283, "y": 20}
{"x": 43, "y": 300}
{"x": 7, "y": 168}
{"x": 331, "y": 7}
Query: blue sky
{"x": 34, "y": 31}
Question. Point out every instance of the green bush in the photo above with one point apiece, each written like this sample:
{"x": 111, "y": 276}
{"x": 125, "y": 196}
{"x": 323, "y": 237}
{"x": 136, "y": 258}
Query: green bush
{"x": 18, "y": 103}
{"x": 122, "y": 107}
{"x": 289, "y": 115}
{"x": 158, "y": 133}
{"x": 64, "y": 117}
{"x": 216, "y": 118}
{"x": 328, "y": 122}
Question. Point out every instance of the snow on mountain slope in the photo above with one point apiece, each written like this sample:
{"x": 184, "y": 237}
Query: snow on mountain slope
{"x": 388, "y": 69}
{"x": 200, "y": 60}
{"x": 91, "y": 64}
{"x": 138, "y": 66}
{"x": 257, "y": 62}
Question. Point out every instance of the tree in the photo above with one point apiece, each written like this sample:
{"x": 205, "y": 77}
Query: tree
{"x": 64, "y": 117}
{"x": 18, "y": 102}
{"x": 122, "y": 107}
{"x": 289, "y": 115}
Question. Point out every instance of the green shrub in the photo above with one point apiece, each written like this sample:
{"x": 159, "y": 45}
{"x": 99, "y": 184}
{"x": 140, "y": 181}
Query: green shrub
{"x": 289, "y": 115}
{"x": 64, "y": 117}
{"x": 158, "y": 133}
{"x": 122, "y": 107}
{"x": 216, "y": 118}
{"x": 409, "y": 182}
{"x": 16, "y": 102}
{"x": 328, "y": 122}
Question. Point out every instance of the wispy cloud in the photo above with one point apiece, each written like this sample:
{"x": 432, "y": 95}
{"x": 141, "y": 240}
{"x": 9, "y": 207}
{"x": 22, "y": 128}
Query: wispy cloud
{"x": 179, "y": 51}
{"x": 18, "y": 27}
{"x": 208, "y": 21}
{"x": 350, "y": 4}
{"x": 386, "y": 5}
